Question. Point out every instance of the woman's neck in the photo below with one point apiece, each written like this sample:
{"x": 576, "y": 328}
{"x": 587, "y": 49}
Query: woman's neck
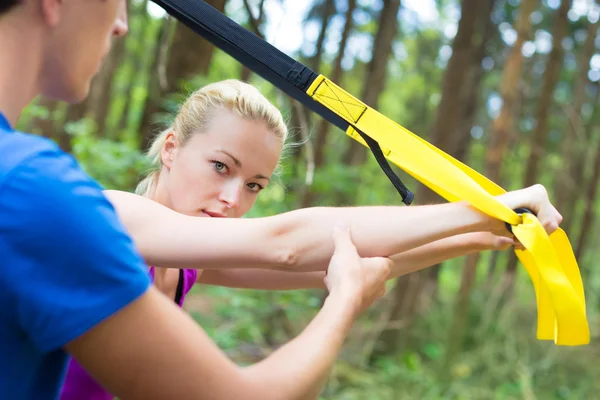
{"x": 159, "y": 194}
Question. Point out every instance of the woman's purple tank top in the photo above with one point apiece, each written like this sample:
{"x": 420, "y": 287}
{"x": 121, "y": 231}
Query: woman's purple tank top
{"x": 79, "y": 385}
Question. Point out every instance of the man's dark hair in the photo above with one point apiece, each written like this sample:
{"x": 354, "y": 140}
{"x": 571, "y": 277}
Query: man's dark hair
{"x": 6, "y": 5}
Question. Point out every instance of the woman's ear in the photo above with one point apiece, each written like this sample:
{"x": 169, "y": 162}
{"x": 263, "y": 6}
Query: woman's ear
{"x": 168, "y": 150}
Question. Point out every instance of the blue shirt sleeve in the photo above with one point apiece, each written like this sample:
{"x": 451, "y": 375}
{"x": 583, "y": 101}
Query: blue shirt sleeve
{"x": 71, "y": 263}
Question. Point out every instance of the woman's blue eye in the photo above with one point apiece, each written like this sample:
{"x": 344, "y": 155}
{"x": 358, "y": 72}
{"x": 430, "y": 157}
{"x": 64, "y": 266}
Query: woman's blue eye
{"x": 219, "y": 166}
{"x": 255, "y": 187}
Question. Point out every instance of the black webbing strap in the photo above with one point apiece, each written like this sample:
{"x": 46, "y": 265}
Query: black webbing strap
{"x": 287, "y": 74}
{"x": 407, "y": 195}
{"x": 179, "y": 292}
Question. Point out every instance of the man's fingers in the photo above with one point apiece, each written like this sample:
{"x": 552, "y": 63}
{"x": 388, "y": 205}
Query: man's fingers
{"x": 342, "y": 238}
{"x": 373, "y": 262}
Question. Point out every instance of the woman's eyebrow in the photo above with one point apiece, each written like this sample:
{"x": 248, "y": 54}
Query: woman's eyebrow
{"x": 262, "y": 177}
{"x": 235, "y": 160}
{"x": 239, "y": 164}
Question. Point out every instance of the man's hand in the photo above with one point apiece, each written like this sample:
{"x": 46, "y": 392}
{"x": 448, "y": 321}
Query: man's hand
{"x": 360, "y": 279}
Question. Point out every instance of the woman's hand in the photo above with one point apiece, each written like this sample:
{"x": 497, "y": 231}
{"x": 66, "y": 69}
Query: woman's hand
{"x": 536, "y": 199}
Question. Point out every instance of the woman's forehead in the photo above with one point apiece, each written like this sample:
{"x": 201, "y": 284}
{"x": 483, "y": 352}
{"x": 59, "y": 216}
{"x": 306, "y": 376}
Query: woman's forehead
{"x": 249, "y": 142}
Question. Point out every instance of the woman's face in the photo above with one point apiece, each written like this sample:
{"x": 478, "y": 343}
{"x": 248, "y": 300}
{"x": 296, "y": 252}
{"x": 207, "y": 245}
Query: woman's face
{"x": 220, "y": 172}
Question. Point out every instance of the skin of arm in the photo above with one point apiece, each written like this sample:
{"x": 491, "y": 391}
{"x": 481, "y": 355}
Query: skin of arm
{"x": 297, "y": 240}
{"x": 176, "y": 359}
{"x": 403, "y": 263}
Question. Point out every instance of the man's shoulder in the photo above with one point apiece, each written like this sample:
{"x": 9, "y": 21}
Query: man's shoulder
{"x": 17, "y": 148}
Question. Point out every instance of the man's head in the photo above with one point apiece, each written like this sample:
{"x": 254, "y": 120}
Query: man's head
{"x": 70, "y": 39}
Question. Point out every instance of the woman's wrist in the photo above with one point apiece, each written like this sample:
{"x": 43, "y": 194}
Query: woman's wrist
{"x": 476, "y": 220}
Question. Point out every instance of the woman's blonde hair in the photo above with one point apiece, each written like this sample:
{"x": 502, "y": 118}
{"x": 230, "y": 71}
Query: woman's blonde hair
{"x": 197, "y": 111}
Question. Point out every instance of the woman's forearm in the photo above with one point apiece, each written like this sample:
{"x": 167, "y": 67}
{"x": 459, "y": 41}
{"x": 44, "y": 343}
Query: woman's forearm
{"x": 378, "y": 231}
{"x": 404, "y": 263}
{"x": 298, "y": 240}
{"x": 262, "y": 279}
{"x": 445, "y": 249}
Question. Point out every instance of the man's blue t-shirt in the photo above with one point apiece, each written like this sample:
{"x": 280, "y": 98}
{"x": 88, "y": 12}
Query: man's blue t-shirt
{"x": 66, "y": 262}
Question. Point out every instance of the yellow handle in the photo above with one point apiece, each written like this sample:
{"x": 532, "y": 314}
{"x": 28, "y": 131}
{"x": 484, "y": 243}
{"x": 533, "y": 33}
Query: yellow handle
{"x": 548, "y": 260}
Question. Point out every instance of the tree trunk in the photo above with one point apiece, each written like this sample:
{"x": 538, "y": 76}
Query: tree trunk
{"x": 329, "y": 10}
{"x": 461, "y": 311}
{"x": 183, "y": 63}
{"x": 374, "y": 80}
{"x": 576, "y": 140}
{"x": 462, "y": 77}
{"x": 322, "y": 132}
{"x": 256, "y": 27}
{"x": 142, "y": 59}
{"x": 540, "y": 132}
{"x": 450, "y": 111}
{"x": 592, "y": 191}
{"x": 501, "y": 129}
{"x": 549, "y": 81}
{"x": 502, "y": 126}
{"x": 460, "y": 140}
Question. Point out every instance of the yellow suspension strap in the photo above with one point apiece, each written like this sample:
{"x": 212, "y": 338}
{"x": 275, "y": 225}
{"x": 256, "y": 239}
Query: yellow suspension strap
{"x": 548, "y": 260}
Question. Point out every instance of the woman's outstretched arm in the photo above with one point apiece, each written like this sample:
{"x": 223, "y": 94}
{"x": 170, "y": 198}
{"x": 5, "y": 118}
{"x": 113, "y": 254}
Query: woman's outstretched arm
{"x": 403, "y": 263}
{"x": 299, "y": 240}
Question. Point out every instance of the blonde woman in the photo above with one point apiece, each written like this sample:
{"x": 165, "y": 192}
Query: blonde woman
{"x": 211, "y": 165}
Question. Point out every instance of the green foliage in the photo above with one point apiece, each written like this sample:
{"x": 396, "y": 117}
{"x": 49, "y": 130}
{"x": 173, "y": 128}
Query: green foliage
{"x": 502, "y": 361}
{"x": 116, "y": 165}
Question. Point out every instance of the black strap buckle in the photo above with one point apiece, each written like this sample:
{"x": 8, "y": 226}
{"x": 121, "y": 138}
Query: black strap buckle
{"x": 520, "y": 210}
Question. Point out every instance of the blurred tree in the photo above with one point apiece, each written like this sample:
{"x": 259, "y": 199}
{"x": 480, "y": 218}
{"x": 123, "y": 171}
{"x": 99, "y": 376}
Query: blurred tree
{"x": 459, "y": 90}
{"x": 546, "y": 95}
{"x": 256, "y": 23}
{"x": 540, "y": 131}
{"x": 576, "y": 140}
{"x": 374, "y": 79}
{"x": 502, "y": 127}
{"x": 591, "y": 192}
{"x": 323, "y": 127}
{"x": 181, "y": 64}
{"x": 322, "y": 12}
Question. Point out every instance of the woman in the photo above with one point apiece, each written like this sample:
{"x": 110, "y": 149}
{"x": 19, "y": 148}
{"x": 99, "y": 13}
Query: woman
{"x": 219, "y": 154}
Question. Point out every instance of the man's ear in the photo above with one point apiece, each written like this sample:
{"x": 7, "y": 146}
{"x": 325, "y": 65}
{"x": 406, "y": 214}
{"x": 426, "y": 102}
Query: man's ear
{"x": 51, "y": 11}
{"x": 168, "y": 150}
